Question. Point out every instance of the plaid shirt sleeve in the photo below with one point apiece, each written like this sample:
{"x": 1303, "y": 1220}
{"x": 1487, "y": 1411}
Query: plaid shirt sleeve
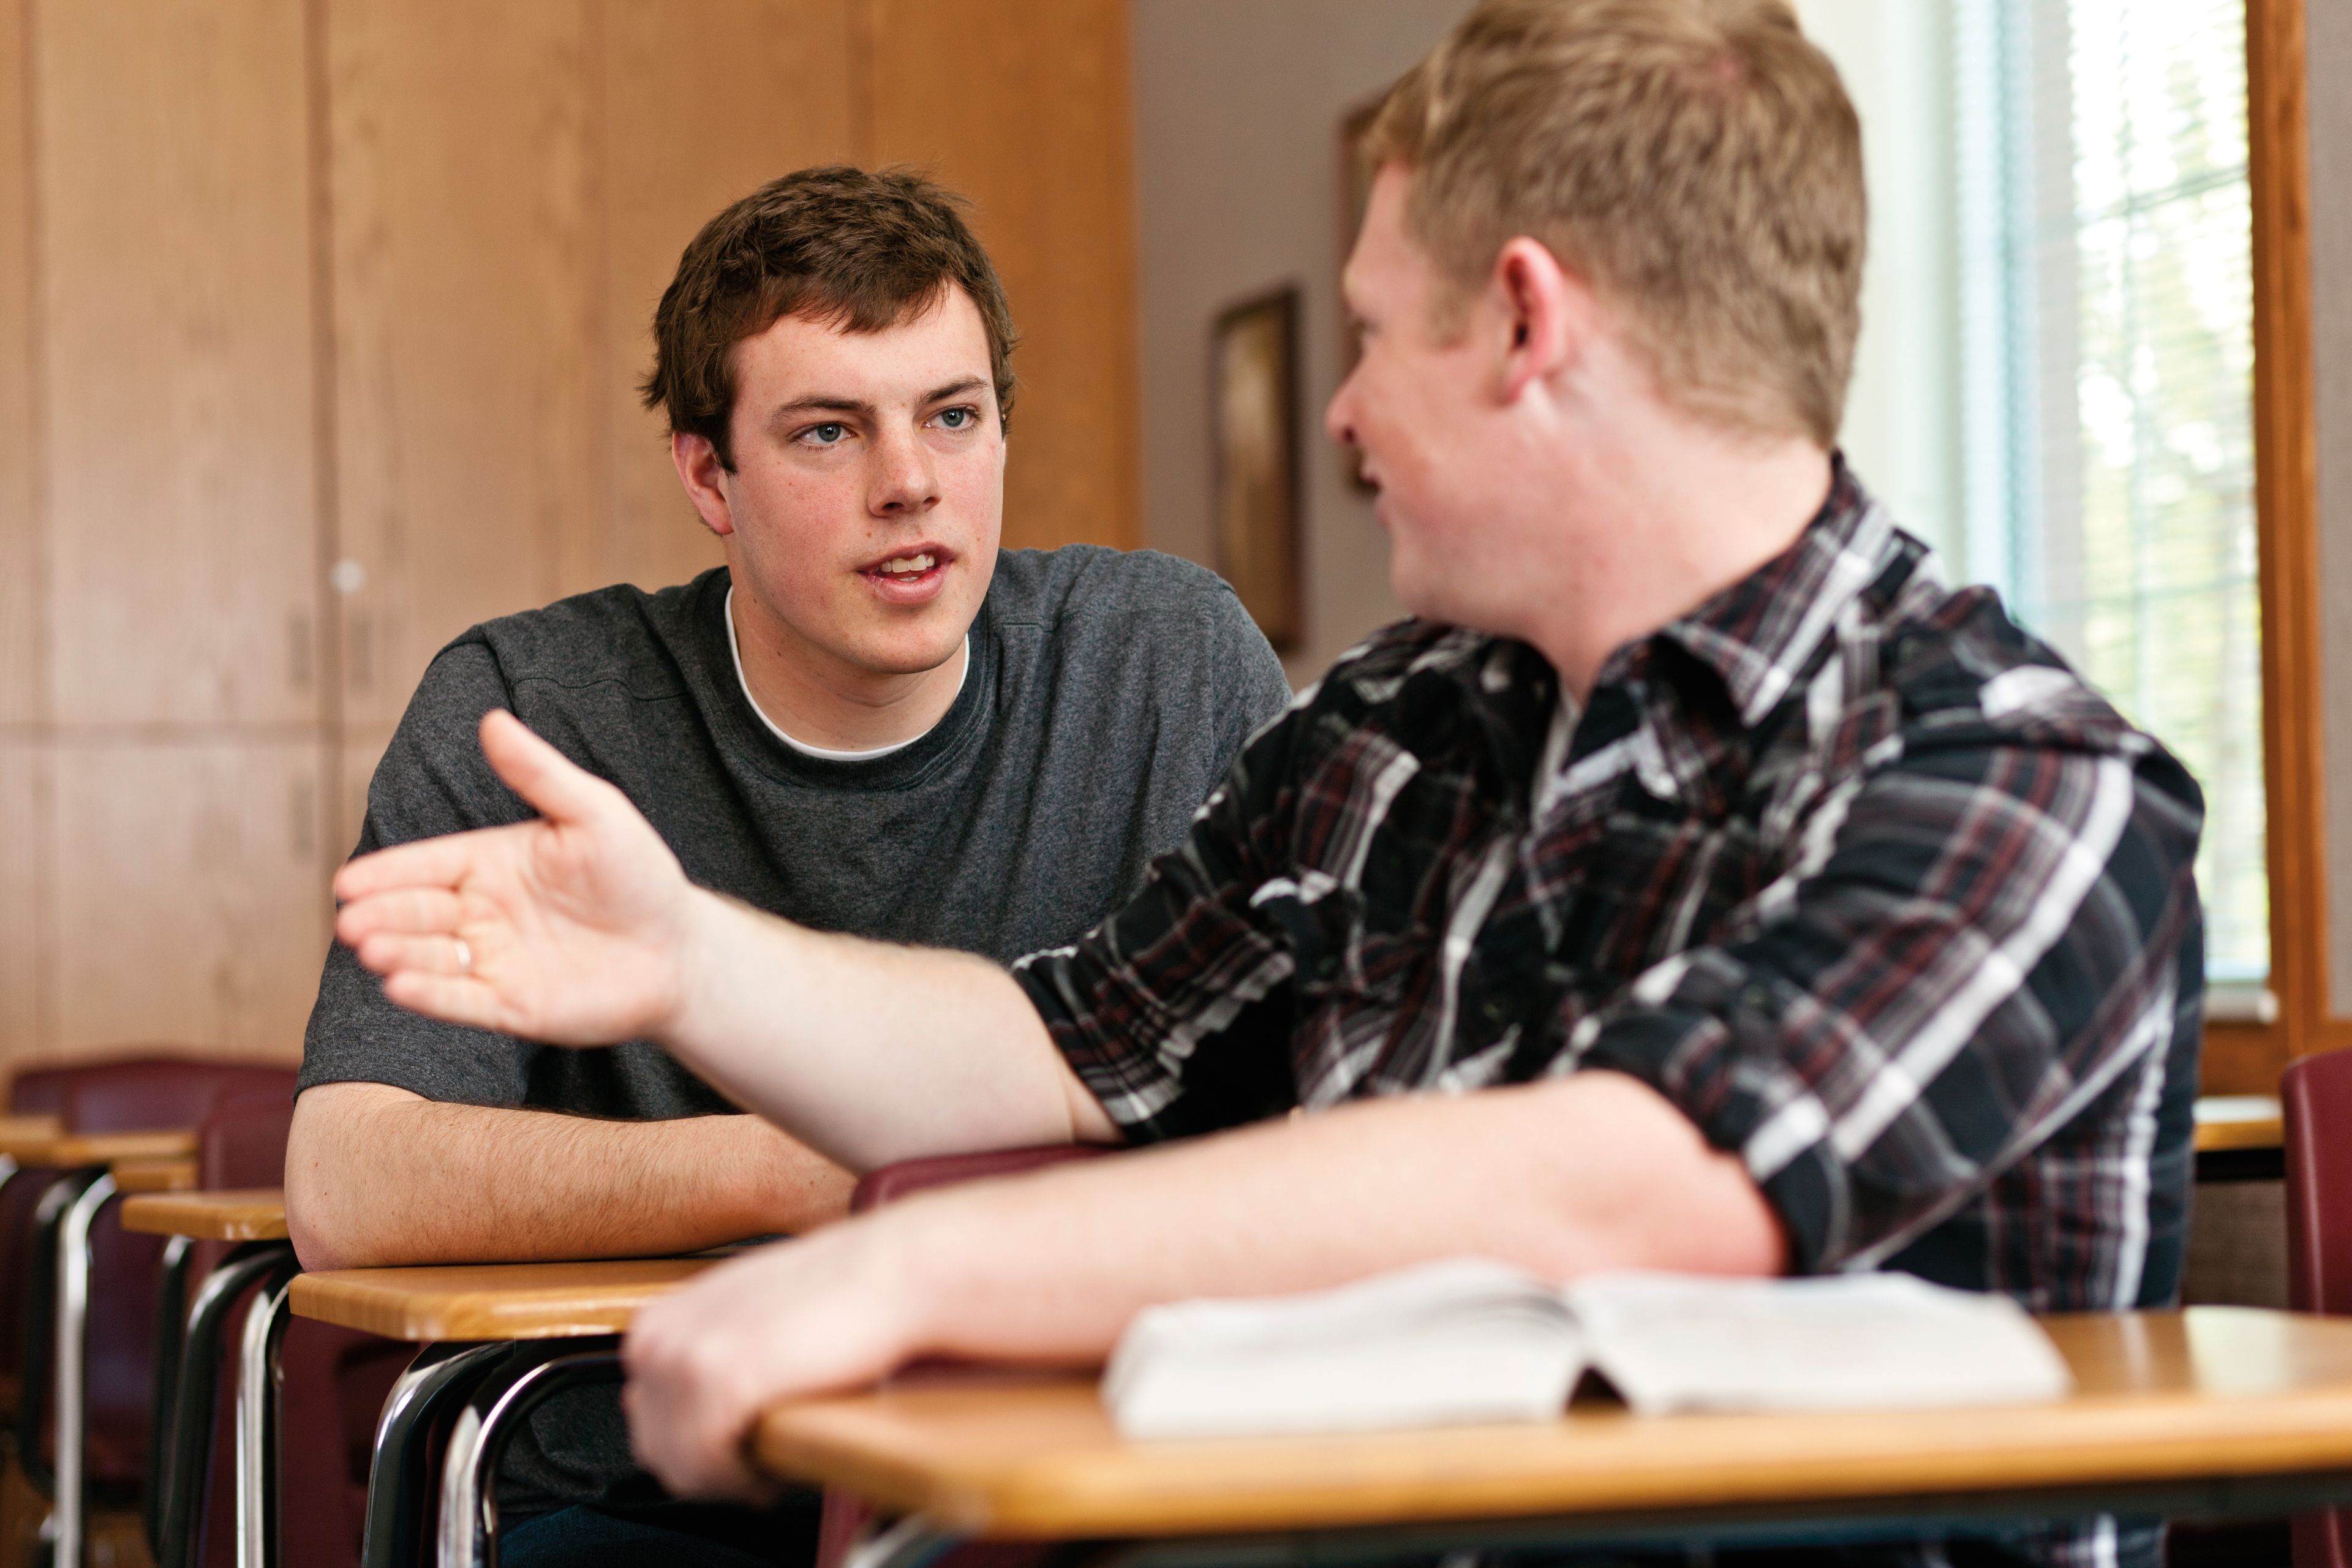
{"x": 1988, "y": 935}
{"x": 1175, "y": 1012}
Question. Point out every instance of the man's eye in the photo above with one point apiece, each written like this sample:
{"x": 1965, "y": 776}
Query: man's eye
{"x": 825, "y": 435}
{"x": 955, "y": 419}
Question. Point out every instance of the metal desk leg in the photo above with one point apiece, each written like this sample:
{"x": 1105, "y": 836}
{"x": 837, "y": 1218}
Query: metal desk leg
{"x": 256, "y": 1420}
{"x": 469, "y": 1533}
{"x": 397, "y": 1500}
{"x": 72, "y": 1328}
{"x": 187, "y": 1463}
{"x": 911, "y": 1543}
{"x": 37, "y": 1400}
{"x": 171, "y": 1307}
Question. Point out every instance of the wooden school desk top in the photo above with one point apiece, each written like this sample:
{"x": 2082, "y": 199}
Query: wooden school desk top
{"x": 492, "y": 1301}
{"x": 2161, "y": 1396}
{"x": 21, "y": 1127}
{"x": 154, "y": 1176}
{"x": 30, "y": 1145}
{"x": 258, "y": 1215}
{"x": 2239, "y": 1121}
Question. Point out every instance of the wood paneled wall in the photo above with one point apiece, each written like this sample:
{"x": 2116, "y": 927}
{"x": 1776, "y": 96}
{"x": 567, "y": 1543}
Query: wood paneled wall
{"x": 940, "y": 98}
{"x": 320, "y": 327}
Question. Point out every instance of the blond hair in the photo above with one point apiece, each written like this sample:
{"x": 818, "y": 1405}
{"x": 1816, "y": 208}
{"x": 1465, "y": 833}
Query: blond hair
{"x": 1697, "y": 162}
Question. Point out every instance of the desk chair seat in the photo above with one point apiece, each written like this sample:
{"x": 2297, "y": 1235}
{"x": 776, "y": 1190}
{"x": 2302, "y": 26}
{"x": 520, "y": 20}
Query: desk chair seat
{"x": 845, "y": 1516}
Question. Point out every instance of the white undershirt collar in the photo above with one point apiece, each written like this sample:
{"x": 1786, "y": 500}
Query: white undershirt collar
{"x": 825, "y": 753}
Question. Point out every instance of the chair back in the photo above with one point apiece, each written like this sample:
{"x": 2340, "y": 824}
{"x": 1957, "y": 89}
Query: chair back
{"x": 38, "y": 1091}
{"x": 845, "y": 1516}
{"x": 140, "y": 1094}
{"x": 2315, "y": 1096}
{"x": 242, "y": 1144}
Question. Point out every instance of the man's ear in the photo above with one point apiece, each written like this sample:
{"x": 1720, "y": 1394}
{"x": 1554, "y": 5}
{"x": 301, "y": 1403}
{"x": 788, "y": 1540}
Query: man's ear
{"x": 703, "y": 474}
{"x": 1547, "y": 313}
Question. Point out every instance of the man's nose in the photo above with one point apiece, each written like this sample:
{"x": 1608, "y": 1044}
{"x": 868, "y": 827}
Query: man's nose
{"x": 905, "y": 480}
{"x": 1340, "y": 414}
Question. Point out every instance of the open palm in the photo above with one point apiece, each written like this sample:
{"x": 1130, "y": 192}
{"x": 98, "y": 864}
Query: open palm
{"x": 569, "y": 928}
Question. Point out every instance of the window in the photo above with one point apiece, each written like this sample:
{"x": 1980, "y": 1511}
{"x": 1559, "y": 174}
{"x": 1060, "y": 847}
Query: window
{"x": 2084, "y": 315}
{"x": 2108, "y": 351}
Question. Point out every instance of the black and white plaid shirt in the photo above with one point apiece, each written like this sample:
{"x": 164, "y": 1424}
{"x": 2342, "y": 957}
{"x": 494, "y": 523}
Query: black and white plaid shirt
{"x": 1853, "y": 871}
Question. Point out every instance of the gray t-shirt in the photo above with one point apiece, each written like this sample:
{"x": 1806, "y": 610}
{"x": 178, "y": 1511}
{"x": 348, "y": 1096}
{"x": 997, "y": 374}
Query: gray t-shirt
{"x": 1107, "y": 694}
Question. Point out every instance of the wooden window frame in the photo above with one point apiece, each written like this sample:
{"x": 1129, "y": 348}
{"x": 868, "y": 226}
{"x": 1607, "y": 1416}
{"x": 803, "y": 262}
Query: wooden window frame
{"x": 2246, "y": 1057}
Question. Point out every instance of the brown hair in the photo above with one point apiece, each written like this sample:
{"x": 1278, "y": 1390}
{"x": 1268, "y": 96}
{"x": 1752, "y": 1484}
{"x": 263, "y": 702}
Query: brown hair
{"x": 1696, "y": 160}
{"x": 853, "y": 249}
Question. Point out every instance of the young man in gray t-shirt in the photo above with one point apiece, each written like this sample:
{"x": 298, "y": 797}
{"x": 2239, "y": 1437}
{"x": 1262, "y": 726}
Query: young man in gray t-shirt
{"x": 868, "y": 721}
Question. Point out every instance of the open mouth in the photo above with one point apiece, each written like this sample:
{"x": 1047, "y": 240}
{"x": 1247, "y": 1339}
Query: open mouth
{"x": 906, "y": 568}
{"x": 910, "y": 577}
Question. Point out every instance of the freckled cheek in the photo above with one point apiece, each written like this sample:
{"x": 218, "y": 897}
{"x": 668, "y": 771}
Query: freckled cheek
{"x": 805, "y": 518}
{"x": 971, "y": 493}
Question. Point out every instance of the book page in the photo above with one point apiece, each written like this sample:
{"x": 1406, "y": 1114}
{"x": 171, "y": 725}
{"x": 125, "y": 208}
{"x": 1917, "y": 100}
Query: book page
{"x": 1673, "y": 1342}
{"x": 1441, "y": 1344}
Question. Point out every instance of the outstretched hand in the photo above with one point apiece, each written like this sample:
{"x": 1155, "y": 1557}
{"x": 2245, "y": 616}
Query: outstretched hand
{"x": 570, "y": 929}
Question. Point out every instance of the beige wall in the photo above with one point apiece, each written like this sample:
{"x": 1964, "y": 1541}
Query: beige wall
{"x": 1902, "y": 430}
{"x": 1237, "y": 106}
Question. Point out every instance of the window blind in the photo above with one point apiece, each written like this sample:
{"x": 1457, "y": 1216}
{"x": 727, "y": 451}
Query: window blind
{"x": 2112, "y": 439}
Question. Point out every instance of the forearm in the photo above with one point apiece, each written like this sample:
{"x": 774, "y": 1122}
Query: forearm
{"x": 871, "y": 1052}
{"x": 1564, "y": 1179}
{"x": 377, "y": 1176}
{"x": 579, "y": 928}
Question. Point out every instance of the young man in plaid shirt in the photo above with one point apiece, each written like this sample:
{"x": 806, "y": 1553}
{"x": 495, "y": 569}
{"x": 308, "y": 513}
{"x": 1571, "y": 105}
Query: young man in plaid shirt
{"x": 1696, "y": 883}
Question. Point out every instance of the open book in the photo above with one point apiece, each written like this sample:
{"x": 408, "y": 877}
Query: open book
{"x": 1470, "y": 1340}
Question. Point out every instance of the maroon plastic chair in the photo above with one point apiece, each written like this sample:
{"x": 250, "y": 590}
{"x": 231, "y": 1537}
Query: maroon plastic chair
{"x": 2315, "y": 1097}
{"x": 844, "y": 1516}
{"x": 126, "y": 1097}
{"x": 190, "y": 1489}
{"x": 36, "y": 1091}
{"x": 148, "y": 1089}
{"x": 333, "y": 1381}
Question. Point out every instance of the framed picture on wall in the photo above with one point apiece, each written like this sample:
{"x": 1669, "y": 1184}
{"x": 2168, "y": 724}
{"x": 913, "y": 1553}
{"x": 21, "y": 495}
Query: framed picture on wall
{"x": 1254, "y": 414}
{"x": 1355, "y": 170}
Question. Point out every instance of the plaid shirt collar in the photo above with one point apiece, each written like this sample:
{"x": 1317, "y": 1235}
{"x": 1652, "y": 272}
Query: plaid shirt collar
{"x": 1758, "y": 639}
{"x": 1761, "y": 634}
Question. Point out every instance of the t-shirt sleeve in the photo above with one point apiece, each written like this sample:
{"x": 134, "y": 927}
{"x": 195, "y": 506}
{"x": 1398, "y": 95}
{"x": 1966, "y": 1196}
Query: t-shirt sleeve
{"x": 433, "y": 780}
{"x": 1176, "y": 1011}
{"x": 1251, "y": 689}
